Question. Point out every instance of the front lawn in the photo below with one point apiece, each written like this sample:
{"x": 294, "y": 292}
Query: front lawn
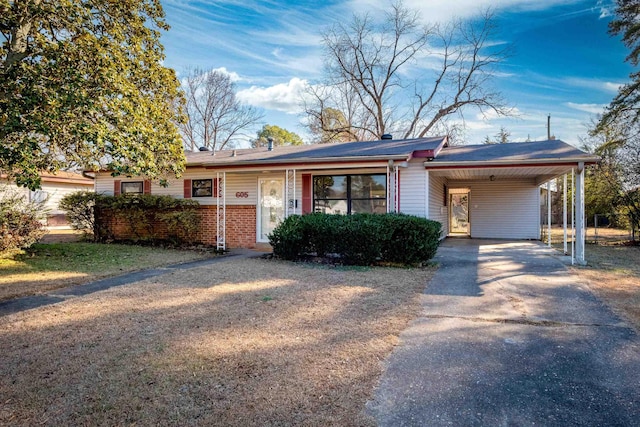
{"x": 613, "y": 272}
{"x": 246, "y": 342}
{"x": 51, "y": 266}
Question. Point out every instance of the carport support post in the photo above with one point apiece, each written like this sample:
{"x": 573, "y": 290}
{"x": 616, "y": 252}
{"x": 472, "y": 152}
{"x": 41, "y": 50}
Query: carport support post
{"x": 580, "y": 231}
{"x": 564, "y": 211}
{"x": 549, "y": 213}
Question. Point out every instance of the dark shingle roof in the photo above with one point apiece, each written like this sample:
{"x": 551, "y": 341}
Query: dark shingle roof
{"x": 552, "y": 150}
{"x": 339, "y": 152}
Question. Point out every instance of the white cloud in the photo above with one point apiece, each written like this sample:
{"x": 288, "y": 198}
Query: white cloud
{"x": 612, "y": 87}
{"x": 587, "y": 108}
{"x": 444, "y": 10}
{"x": 489, "y": 115}
{"x": 235, "y": 77}
{"x": 285, "y": 97}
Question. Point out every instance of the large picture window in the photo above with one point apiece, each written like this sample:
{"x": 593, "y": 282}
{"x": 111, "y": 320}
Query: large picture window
{"x": 131, "y": 187}
{"x": 202, "y": 188}
{"x": 347, "y": 194}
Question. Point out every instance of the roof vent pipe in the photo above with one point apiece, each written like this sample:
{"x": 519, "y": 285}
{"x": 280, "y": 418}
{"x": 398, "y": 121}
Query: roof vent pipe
{"x": 386, "y": 136}
{"x": 270, "y": 144}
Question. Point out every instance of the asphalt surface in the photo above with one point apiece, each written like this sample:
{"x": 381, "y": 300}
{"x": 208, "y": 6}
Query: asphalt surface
{"x": 508, "y": 337}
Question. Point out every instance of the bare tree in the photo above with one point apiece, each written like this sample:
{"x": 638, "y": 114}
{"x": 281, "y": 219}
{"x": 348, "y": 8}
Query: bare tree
{"x": 215, "y": 117}
{"x": 374, "y": 73}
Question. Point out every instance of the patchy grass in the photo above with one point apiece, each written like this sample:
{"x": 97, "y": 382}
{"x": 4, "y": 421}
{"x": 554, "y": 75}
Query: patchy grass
{"x": 248, "y": 342}
{"x": 613, "y": 273}
{"x": 51, "y": 266}
{"x": 613, "y": 269}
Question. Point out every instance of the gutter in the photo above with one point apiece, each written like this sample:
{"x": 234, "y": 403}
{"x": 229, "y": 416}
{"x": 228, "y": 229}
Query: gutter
{"x": 509, "y": 163}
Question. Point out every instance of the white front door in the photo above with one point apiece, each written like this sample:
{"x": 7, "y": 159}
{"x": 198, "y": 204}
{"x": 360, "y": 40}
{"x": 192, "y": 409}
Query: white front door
{"x": 270, "y": 206}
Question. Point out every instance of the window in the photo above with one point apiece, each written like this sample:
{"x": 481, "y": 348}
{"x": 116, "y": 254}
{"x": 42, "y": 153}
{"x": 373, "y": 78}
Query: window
{"x": 347, "y": 194}
{"x": 131, "y": 187}
{"x": 202, "y": 188}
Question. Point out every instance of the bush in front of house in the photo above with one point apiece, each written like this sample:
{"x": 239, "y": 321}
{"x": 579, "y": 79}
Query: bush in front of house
{"x": 21, "y": 222}
{"x": 79, "y": 209}
{"x": 135, "y": 217}
{"x": 358, "y": 239}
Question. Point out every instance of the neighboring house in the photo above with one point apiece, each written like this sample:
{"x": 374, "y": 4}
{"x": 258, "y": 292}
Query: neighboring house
{"x": 53, "y": 188}
{"x": 483, "y": 191}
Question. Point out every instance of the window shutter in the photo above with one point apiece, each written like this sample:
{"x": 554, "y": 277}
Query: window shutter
{"x": 146, "y": 187}
{"x": 307, "y": 197}
{"x": 187, "y": 188}
{"x": 215, "y": 187}
{"x": 116, "y": 187}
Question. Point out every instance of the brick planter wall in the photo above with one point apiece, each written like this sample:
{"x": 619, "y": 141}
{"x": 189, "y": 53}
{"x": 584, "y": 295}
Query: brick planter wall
{"x": 240, "y": 233}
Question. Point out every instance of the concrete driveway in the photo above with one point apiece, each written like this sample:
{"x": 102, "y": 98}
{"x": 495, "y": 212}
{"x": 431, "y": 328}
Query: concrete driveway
{"x": 508, "y": 337}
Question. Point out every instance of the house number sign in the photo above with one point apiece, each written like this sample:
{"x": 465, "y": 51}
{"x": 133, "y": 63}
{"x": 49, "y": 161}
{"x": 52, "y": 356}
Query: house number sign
{"x": 242, "y": 195}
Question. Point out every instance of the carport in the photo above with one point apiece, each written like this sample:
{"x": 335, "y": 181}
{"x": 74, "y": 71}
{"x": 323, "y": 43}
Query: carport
{"x": 493, "y": 191}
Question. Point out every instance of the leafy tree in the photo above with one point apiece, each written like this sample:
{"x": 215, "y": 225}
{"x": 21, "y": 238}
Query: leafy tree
{"x": 619, "y": 127}
{"x": 502, "y": 137}
{"x": 372, "y": 73}
{"x": 279, "y": 135}
{"x": 215, "y": 116}
{"x": 627, "y": 101}
{"x": 81, "y": 83}
{"x": 615, "y": 182}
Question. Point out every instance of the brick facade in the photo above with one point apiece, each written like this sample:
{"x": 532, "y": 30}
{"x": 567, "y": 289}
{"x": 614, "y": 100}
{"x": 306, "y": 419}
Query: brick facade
{"x": 241, "y": 226}
{"x": 240, "y": 233}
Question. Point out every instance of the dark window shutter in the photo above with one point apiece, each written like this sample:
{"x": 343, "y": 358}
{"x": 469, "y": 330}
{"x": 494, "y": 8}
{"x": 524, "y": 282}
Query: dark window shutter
{"x": 187, "y": 188}
{"x": 307, "y": 196}
{"x": 116, "y": 187}
{"x": 215, "y": 187}
{"x": 146, "y": 187}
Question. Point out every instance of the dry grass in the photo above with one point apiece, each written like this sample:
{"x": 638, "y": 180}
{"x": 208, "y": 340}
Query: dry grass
{"x": 600, "y": 235}
{"x": 242, "y": 342}
{"x": 613, "y": 269}
{"x": 613, "y": 273}
{"x": 45, "y": 267}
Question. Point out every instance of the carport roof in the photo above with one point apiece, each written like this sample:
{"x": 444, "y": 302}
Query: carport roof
{"x": 522, "y": 153}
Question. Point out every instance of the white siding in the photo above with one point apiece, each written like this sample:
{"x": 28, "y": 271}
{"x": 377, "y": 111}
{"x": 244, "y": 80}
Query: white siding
{"x": 56, "y": 191}
{"x": 412, "y": 188}
{"x": 236, "y": 183}
{"x": 437, "y": 210}
{"x": 503, "y": 209}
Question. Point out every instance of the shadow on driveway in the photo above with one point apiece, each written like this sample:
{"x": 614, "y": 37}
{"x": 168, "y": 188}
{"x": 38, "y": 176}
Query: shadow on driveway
{"x": 508, "y": 336}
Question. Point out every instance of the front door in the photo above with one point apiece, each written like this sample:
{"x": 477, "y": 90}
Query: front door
{"x": 459, "y": 213}
{"x": 270, "y": 206}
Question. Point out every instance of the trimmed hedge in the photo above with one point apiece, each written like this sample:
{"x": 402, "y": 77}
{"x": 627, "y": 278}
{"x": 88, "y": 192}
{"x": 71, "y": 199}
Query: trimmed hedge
{"x": 147, "y": 217}
{"x": 359, "y": 239}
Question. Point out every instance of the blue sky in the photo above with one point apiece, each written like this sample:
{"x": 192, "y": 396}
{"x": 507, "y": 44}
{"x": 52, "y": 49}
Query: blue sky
{"x": 564, "y": 63}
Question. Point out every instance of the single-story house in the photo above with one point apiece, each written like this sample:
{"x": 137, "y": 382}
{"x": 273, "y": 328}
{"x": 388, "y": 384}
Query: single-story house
{"x": 54, "y": 186}
{"x": 479, "y": 191}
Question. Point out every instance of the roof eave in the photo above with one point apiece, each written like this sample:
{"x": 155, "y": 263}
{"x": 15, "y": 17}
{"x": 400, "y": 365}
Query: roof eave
{"x": 528, "y": 162}
{"x": 270, "y": 162}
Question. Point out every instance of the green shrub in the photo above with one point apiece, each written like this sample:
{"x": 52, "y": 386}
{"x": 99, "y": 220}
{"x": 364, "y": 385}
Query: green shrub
{"x": 288, "y": 239}
{"x": 79, "y": 208}
{"x": 21, "y": 222}
{"x": 360, "y": 239}
{"x": 409, "y": 239}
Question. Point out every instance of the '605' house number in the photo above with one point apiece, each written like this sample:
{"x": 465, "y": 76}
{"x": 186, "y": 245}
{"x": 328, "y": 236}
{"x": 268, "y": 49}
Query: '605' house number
{"x": 242, "y": 195}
